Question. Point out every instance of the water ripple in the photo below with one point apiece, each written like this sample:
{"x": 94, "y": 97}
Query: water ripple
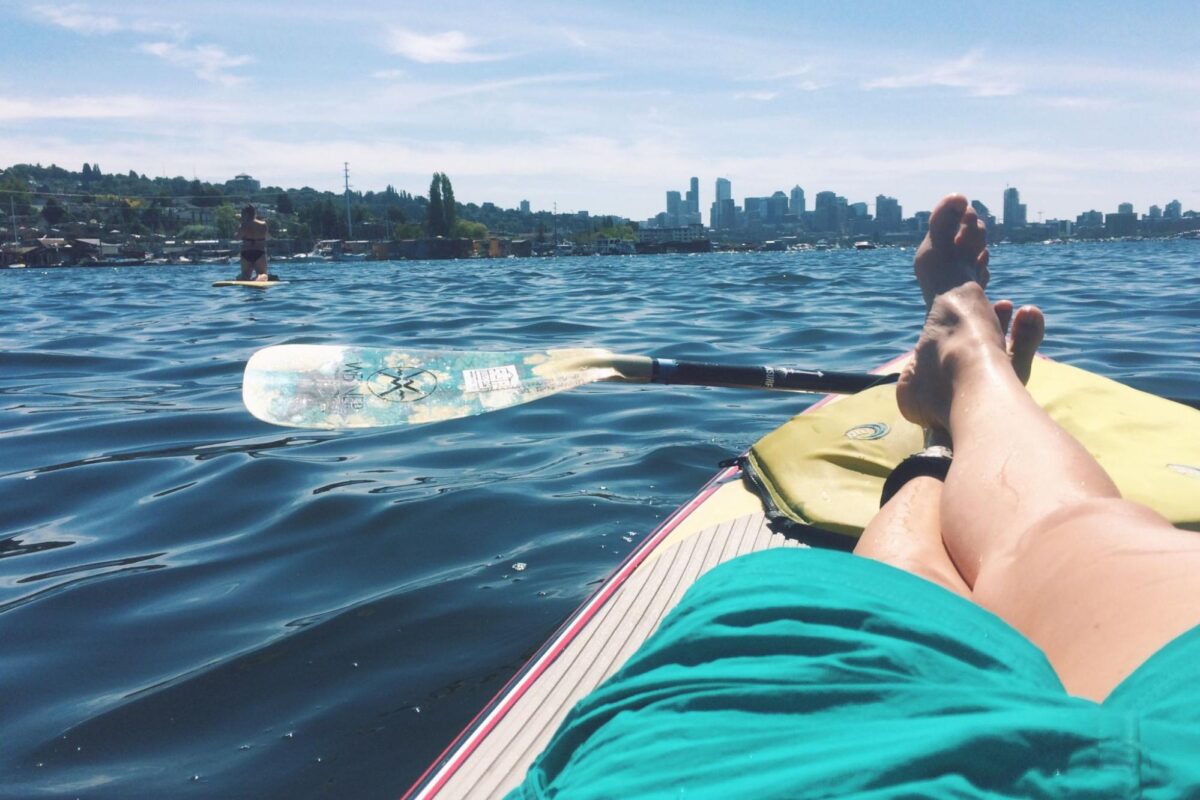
{"x": 337, "y": 606}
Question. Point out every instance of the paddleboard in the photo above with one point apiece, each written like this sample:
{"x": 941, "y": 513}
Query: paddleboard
{"x": 251, "y": 284}
{"x": 838, "y": 451}
{"x": 725, "y": 519}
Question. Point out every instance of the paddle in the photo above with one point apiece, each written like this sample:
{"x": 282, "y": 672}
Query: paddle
{"x": 328, "y": 386}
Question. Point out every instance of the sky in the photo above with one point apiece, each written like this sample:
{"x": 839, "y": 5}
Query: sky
{"x": 606, "y": 106}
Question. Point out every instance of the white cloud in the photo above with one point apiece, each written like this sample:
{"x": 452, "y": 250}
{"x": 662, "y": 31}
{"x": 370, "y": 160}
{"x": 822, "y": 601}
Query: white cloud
{"x": 762, "y": 97}
{"x": 78, "y": 19}
{"x": 1079, "y": 103}
{"x": 415, "y": 94}
{"x": 207, "y": 61}
{"x": 964, "y": 73}
{"x": 81, "y": 107}
{"x": 451, "y": 47}
{"x": 387, "y": 74}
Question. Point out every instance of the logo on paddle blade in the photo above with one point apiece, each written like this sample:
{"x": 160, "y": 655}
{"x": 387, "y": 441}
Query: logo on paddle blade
{"x": 406, "y": 385}
{"x": 868, "y": 431}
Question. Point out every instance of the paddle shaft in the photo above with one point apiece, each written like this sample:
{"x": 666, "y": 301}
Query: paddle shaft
{"x": 691, "y": 373}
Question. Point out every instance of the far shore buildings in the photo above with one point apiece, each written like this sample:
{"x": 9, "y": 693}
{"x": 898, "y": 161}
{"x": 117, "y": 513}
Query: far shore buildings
{"x": 242, "y": 185}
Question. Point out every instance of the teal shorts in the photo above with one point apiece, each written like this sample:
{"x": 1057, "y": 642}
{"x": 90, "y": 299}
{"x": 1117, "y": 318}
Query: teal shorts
{"x": 808, "y": 673}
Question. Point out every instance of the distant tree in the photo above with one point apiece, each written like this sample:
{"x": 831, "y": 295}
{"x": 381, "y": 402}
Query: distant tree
{"x": 14, "y": 192}
{"x": 395, "y": 215}
{"x": 96, "y": 173}
{"x": 470, "y": 230}
{"x": 435, "y": 221}
{"x": 126, "y": 212}
{"x": 326, "y": 219}
{"x": 449, "y": 210}
{"x": 152, "y": 216}
{"x": 301, "y": 236}
{"x": 407, "y": 230}
{"x": 541, "y": 231}
{"x": 87, "y": 173}
{"x": 226, "y": 220}
{"x": 283, "y": 204}
{"x": 53, "y": 213}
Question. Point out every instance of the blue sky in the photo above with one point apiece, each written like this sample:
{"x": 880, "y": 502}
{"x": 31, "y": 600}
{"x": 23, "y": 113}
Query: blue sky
{"x": 605, "y": 106}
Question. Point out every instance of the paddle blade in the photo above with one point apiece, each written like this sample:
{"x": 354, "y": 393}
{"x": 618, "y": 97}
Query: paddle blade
{"x": 329, "y": 386}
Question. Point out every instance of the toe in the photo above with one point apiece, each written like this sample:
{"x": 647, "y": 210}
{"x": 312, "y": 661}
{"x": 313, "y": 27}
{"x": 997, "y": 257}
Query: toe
{"x": 1004, "y": 310}
{"x": 972, "y": 235}
{"x": 945, "y": 219}
{"x": 1028, "y": 330}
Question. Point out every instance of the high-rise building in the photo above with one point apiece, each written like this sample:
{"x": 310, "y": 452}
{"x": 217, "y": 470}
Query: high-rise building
{"x": 1155, "y": 212}
{"x": 1174, "y": 210}
{"x": 524, "y": 206}
{"x": 1014, "y": 209}
{"x": 825, "y": 212}
{"x": 693, "y": 197}
{"x": 796, "y": 205}
{"x": 1121, "y": 224}
{"x": 888, "y": 214}
{"x": 721, "y": 216}
{"x": 1125, "y": 208}
{"x": 674, "y": 208}
{"x": 724, "y": 189}
{"x": 984, "y": 213}
{"x": 756, "y": 208}
{"x": 777, "y": 207}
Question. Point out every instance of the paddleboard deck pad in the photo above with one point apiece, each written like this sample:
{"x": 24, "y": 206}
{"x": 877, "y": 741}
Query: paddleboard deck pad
{"x": 813, "y": 482}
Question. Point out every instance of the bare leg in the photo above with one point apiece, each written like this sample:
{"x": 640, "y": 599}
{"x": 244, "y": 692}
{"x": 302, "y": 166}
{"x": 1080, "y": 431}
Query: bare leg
{"x": 1033, "y": 523}
{"x": 907, "y": 531}
{"x": 907, "y": 534}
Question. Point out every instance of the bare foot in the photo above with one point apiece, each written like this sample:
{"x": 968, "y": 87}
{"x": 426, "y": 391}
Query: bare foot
{"x": 962, "y": 331}
{"x": 954, "y": 251}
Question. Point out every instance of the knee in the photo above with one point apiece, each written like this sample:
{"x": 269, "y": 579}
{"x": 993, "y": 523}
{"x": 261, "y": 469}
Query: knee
{"x": 1073, "y": 546}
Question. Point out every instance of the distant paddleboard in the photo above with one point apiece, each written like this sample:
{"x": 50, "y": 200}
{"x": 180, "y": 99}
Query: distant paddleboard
{"x": 251, "y": 284}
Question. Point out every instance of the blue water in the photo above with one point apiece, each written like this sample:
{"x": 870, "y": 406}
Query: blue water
{"x": 196, "y": 604}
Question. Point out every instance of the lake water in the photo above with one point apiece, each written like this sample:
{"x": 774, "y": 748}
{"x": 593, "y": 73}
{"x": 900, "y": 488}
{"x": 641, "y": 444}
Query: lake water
{"x": 196, "y": 604}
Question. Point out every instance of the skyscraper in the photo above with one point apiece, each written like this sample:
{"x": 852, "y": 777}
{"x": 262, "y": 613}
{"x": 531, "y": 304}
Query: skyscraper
{"x": 724, "y": 189}
{"x": 825, "y": 212}
{"x": 693, "y": 197}
{"x": 721, "y": 215}
{"x": 674, "y": 208}
{"x": 984, "y": 214}
{"x": 888, "y": 214}
{"x": 797, "y": 201}
{"x": 1014, "y": 209}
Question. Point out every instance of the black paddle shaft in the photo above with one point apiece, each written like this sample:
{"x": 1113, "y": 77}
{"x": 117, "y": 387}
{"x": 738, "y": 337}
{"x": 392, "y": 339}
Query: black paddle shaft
{"x": 666, "y": 370}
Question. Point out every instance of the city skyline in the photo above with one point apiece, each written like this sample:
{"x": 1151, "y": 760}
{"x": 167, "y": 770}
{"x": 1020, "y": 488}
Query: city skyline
{"x": 887, "y": 209}
{"x": 602, "y": 108}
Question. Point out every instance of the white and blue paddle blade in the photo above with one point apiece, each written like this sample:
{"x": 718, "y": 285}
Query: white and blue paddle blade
{"x": 329, "y": 386}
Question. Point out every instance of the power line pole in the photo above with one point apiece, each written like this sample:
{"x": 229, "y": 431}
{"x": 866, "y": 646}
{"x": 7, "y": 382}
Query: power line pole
{"x": 349, "y": 222}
